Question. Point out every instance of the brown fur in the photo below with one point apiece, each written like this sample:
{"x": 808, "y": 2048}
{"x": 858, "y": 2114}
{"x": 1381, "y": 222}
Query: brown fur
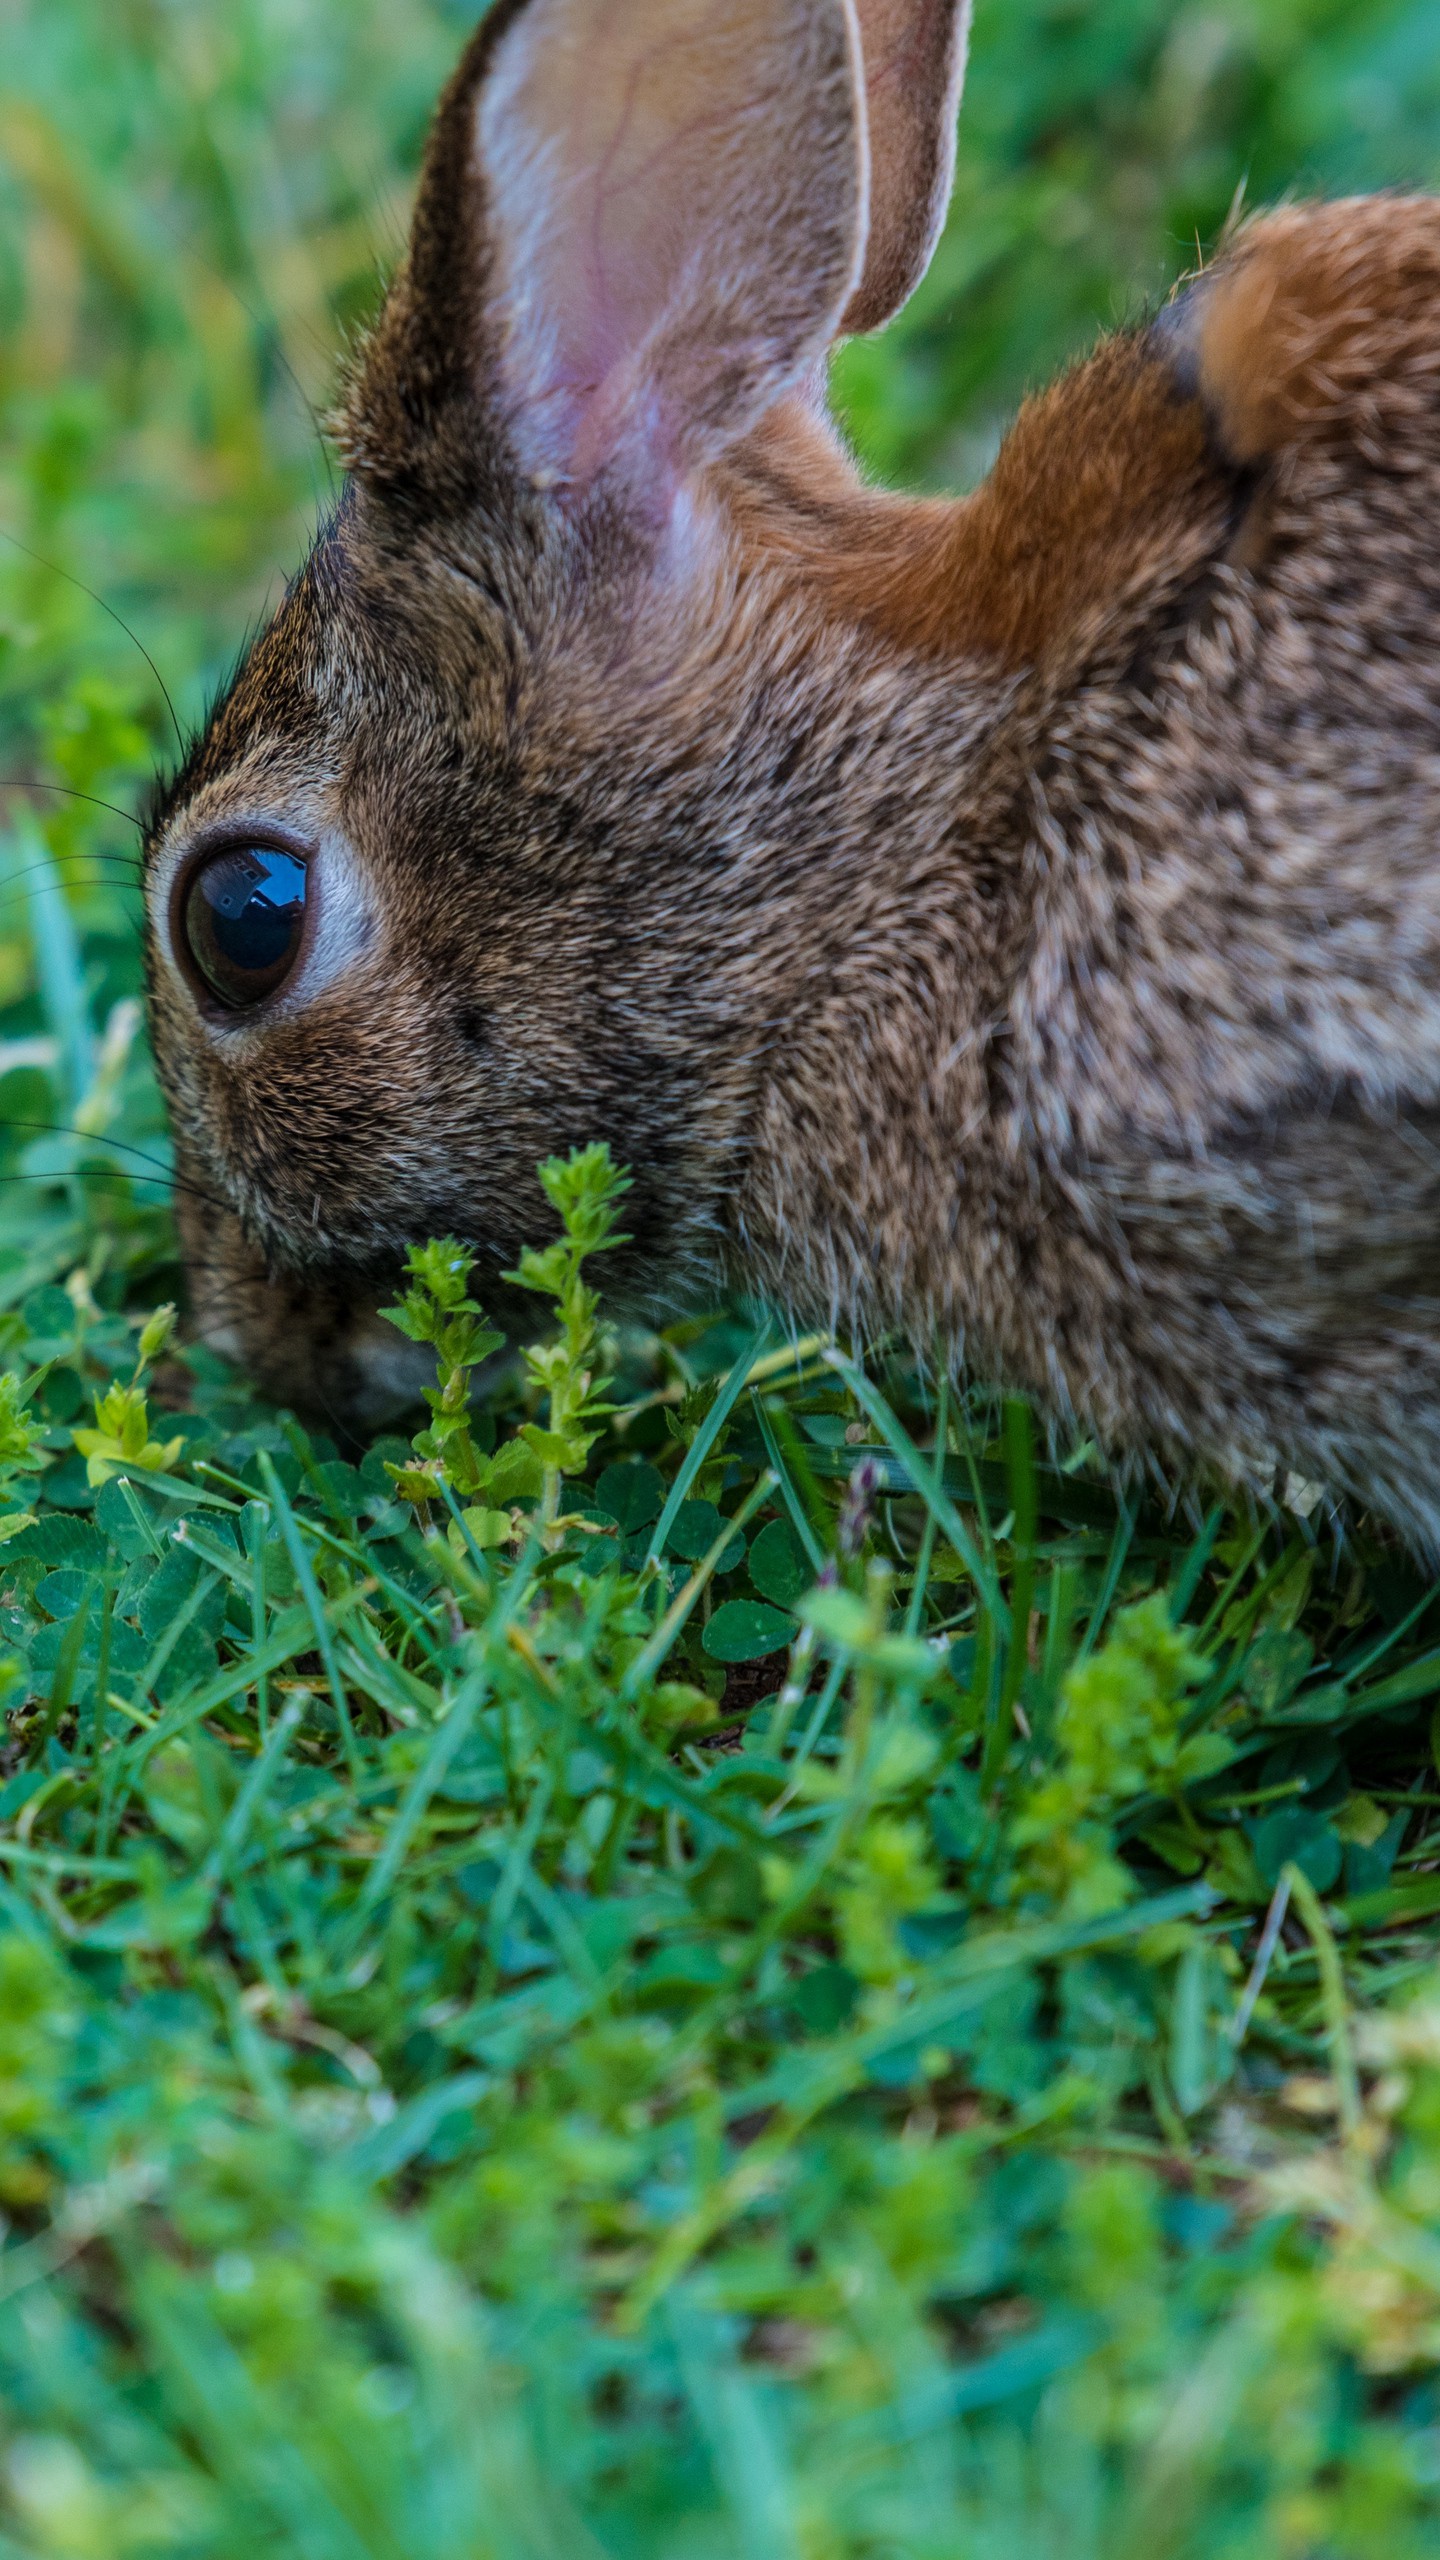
{"x": 1106, "y": 497}
{"x": 1017, "y": 919}
{"x": 1320, "y": 326}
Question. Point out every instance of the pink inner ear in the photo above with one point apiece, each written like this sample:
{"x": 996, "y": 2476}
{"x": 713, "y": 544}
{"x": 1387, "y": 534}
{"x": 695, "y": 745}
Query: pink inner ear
{"x": 628, "y": 273}
{"x": 676, "y": 197}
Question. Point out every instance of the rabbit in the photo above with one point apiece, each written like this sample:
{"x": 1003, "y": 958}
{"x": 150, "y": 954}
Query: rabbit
{"x": 1012, "y": 919}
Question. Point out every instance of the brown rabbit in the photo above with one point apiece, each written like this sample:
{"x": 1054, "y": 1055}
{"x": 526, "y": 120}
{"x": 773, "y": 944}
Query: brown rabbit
{"x": 1017, "y": 918}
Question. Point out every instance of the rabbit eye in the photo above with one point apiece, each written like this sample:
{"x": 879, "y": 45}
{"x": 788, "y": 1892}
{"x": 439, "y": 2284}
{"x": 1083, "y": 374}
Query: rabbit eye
{"x": 243, "y": 920}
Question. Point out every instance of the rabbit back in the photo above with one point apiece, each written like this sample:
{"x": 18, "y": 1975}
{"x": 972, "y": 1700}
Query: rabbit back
{"x": 1173, "y": 1165}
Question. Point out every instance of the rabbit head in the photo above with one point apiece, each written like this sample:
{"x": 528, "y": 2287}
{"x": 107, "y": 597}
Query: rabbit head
{"x": 528, "y": 819}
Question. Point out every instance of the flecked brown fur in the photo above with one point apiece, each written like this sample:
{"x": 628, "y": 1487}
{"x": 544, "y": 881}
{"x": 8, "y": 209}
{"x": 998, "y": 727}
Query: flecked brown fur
{"x": 1017, "y": 920}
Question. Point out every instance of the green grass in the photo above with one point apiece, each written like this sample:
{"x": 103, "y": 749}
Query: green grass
{"x": 483, "y": 2069}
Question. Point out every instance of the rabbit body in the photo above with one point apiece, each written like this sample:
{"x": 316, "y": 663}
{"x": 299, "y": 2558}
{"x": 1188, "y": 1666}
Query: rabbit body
{"x": 1014, "y": 919}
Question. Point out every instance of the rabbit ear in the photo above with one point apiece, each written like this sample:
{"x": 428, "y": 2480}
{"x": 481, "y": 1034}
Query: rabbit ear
{"x": 669, "y": 215}
{"x": 914, "y": 65}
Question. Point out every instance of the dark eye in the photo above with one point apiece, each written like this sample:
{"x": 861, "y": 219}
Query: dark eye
{"x": 243, "y": 920}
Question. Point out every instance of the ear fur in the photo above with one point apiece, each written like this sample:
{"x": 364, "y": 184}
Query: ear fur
{"x": 672, "y": 217}
{"x": 914, "y": 66}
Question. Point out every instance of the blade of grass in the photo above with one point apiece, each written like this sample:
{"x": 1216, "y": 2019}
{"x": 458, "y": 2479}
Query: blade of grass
{"x": 140, "y": 1516}
{"x": 402, "y": 1601}
{"x": 1020, "y": 1460}
{"x": 1110, "y": 1581}
{"x": 1187, "y": 1581}
{"x": 446, "y": 1741}
{"x": 58, "y": 962}
{"x": 117, "y": 1772}
{"x": 1059, "y": 1617}
{"x": 924, "y": 1478}
{"x": 1231, "y": 1585}
{"x": 1350, "y": 1672}
{"x": 788, "y": 1493}
{"x": 304, "y": 1575}
{"x": 796, "y": 1356}
{"x": 67, "y": 1663}
{"x": 252, "y": 1795}
{"x": 811, "y": 1735}
{"x": 252, "y": 1530}
{"x": 516, "y": 1867}
{"x": 477, "y": 1560}
{"x": 915, "y": 1609}
{"x": 706, "y": 1437}
{"x": 1264, "y": 1954}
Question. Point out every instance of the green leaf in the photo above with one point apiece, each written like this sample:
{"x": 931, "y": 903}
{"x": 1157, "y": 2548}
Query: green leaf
{"x": 1203, "y": 1756}
{"x": 1293, "y": 1835}
{"x": 747, "y": 1630}
{"x": 1201, "y": 2055}
{"x": 487, "y": 1528}
{"x": 693, "y": 1533}
{"x": 778, "y": 1569}
{"x": 60, "y": 1541}
{"x": 62, "y": 1593}
{"x": 20, "y": 1429}
{"x": 825, "y": 1998}
{"x": 563, "y": 1450}
{"x": 1172, "y": 1842}
{"x": 1274, "y": 1668}
{"x": 1393, "y": 1903}
{"x": 514, "y": 1474}
{"x": 545, "y": 1271}
{"x": 632, "y": 1493}
{"x": 50, "y": 1316}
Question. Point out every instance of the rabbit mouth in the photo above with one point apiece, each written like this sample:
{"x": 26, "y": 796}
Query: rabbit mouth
{"x": 295, "y": 1305}
{"x": 309, "y": 1335}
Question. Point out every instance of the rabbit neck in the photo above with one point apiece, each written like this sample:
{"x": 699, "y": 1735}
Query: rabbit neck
{"x": 832, "y": 875}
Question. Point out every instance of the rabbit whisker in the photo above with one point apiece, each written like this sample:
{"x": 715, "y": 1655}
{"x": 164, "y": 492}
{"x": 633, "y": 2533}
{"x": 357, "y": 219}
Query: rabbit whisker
{"x": 66, "y": 791}
{"x": 117, "y": 618}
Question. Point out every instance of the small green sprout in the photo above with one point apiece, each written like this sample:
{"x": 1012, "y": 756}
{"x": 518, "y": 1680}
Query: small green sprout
{"x": 120, "y": 1440}
{"x": 585, "y": 1190}
{"x": 20, "y": 1450}
{"x": 437, "y": 1309}
{"x": 155, "y": 1336}
{"x": 1120, "y": 1732}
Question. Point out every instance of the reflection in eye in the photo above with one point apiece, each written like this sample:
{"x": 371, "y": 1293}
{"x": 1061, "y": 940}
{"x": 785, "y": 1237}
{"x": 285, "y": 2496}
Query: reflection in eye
{"x": 244, "y": 921}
